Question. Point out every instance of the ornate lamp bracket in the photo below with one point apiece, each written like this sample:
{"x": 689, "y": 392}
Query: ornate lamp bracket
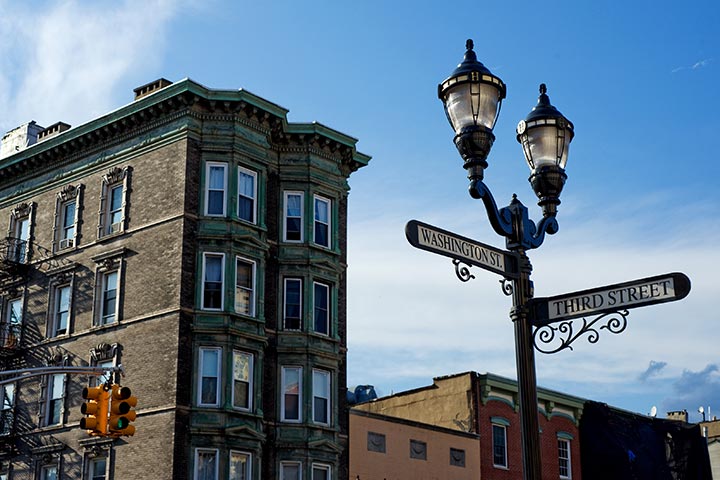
{"x": 552, "y": 338}
{"x": 513, "y": 222}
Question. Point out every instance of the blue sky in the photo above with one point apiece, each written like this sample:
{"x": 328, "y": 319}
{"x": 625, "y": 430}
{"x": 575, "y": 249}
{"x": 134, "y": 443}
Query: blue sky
{"x": 638, "y": 79}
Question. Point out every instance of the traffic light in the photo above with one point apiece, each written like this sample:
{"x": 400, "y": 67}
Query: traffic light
{"x": 96, "y": 410}
{"x": 121, "y": 412}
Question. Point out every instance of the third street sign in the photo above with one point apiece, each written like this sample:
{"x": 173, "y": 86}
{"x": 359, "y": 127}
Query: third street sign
{"x": 433, "y": 239}
{"x": 611, "y": 298}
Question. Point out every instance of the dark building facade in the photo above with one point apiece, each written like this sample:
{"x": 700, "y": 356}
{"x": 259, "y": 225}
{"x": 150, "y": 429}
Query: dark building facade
{"x": 198, "y": 239}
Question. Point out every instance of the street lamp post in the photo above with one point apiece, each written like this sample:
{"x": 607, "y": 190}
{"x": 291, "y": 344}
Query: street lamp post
{"x": 472, "y": 96}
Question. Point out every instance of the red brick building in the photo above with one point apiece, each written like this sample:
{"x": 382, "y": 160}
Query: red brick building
{"x": 487, "y": 405}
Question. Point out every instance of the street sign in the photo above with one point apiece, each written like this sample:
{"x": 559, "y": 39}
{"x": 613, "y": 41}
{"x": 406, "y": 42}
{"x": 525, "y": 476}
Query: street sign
{"x": 611, "y": 298}
{"x": 436, "y": 240}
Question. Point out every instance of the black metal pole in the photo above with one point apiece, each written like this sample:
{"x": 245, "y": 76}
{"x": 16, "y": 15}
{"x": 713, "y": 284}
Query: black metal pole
{"x": 525, "y": 361}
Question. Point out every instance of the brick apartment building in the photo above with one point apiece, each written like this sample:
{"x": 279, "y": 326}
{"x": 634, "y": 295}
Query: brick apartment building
{"x": 196, "y": 237}
{"x": 487, "y": 405}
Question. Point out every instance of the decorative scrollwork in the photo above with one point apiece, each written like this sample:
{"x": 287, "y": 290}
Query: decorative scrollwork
{"x": 553, "y": 338}
{"x": 462, "y": 271}
{"x": 507, "y": 286}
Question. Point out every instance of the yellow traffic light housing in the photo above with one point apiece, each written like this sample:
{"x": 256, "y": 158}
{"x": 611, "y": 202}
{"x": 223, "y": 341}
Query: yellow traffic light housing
{"x": 95, "y": 409}
{"x": 121, "y": 412}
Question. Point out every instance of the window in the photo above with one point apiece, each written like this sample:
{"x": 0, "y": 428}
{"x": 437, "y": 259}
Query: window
{"x": 564, "y": 458}
{"x": 321, "y": 302}
{"x": 293, "y": 217}
{"x": 240, "y": 465}
{"x": 209, "y": 368}
{"x": 322, "y": 222}
{"x": 290, "y": 471}
{"x": 213, "y": 273}
{"x": 216, "y": 184}
{"x": 11, "y": 327}
{"x": 245, "y": 286}
{"x": 247, "y": 195}
{"x": 242, "y": 380}
{"x": 103, "y": 378}
{"x": 291, "y": 394}
{"x": 206, "y": 464}
{"x": 97, "y": 468}
{"x": 55, "y": 399}
{"x": 293, "y": 304}
{"x": 60, "y": 315}
{"x": 7, "y": 408}
{"x": 67, "y": 210}
{"x": 376, "y": 442}
{"x": 108, "y": 297}
{"x": 19, "y": 241}
{"x": 114, "y": 201}
{"x": 320, "y": 471}
{"x": 105, "y": 355}
{"x": 457, "y": 457}
{"x": 499, "y": 446}
{"x": 418, "y": 450}
{"x": 321, "y": 397}
{"x": 49, "y": 472}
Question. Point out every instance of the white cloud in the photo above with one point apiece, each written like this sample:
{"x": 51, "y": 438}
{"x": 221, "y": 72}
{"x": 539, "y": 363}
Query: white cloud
{"x": 410, "y": 318}
{"x": 63, "y": 61}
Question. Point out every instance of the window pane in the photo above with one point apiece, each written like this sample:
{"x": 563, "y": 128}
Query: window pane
{"x": 109, "y": 300}
{"x": 293, "y": 217}
{"x": 242, "y": 372}
{"x": 321, "y": 308}
{"x": 62, "y": 310}
{"x": 216, "y": 190}
{"x": 206, "y": 465}
{"x": 49, "y": 473}
{"x": 294, "y": 206}
{"x": 290, "y": 471}
{"x": 499, "y": 450}
{"x": 212, "y": 294}
{"x": 321, "y": 210}
{"x": 15, "y": 311}
{"x": 246, "y": 209}
{"x": 244, "y": 285}
{"x": 98, "y": 468}
{"x": 291, "y": 391}
{"x": 209, "y": 376}
{"x": 322, "y": 222}
{"x": 239, "y": 466}
{"x": 320, "y": 473}
{"x": 68, "y": 230}
{"x": 293, "y": 305}
{"x": 321, "y": 396}
{"x": 321, "y": 234}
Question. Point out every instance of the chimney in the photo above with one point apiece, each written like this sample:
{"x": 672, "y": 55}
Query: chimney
{"x": 151, "y": 88}
{"x": 19, "y": 139}
{"x": 678, "y": 415}
{"x": 52, "y": 130}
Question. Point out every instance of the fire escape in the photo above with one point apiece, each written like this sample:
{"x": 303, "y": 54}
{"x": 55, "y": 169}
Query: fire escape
{"x": 19, "y": 260}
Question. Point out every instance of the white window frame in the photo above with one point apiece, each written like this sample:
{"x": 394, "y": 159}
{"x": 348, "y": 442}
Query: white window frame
{"x": 248, "y": 464}
{"x": 116, "y": 178}
{"x": 52, "y": 396}
{"x": 316, "y": 221}
{"x": 568, "y": 459}
{"x": 326, "y": 308}
{"x": 284, "y": 465}
{"x": 285, "y": 303}
{"x": 251, "y": 289}
{"x": 56, "y": 312}
{"x": 254, "y": 175}
{"x": 286, "y": 195}
{"x": 323, "y": 467}
{"x": 208, "y": 167}
{"x": 325, "y": 377}
{"x": 102, "y": 317}
{"x": 213, "y": 451}
{"x": 250, "y": 373}
{"x": 90, "y": 475}
{"x": 21, "y": 238}
{"x": 505, "y": 446}
{"x": 44, "y": 472}
{"x": 222, "y": 280}
{"x": 200, "y": 377}
{"x": 283, "y": 389}
{"x": 67, "y": 233}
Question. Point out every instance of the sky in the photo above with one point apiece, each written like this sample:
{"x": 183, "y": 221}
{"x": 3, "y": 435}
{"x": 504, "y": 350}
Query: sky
{"x": 638, "y": 80}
